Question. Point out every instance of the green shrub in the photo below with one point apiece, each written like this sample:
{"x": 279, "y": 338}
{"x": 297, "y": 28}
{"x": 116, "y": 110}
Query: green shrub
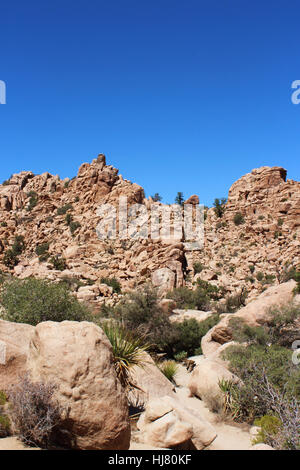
{"x": 64, "y": 209}
{"x": 198, "y": 267}
{"x": 3, "y": 224}
{"x": 33, "y": 200}
{"x": 199, "y": 299}
{"x": 269, "y": 427}
{"x": 259, "y": 276}
{"x": 169, "y": 369}
{"x": 10, "y": 259}
{"x": 190, "y": 333}
{"x": 180, "y": 356}
{"x": 251, "y": 268}
{"x": 34, "y": 301}
{"x": 74, "y": 226}
{"x": 112, "y": 282}
{"x": 4, "y": 426}
{"x": 3, "y": 398}
{"x": 219, "y": 207}
{"x": 58, "y": 263}
{"x": 42, "y": 249}
{"x": 238, "y": 219}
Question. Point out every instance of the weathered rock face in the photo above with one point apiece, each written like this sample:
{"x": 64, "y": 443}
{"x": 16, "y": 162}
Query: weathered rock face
{"x": 204, "y": 382}
{"x": 267, "y": 241}
{"x": 168, "y": 423}
{"x": 14, "y": 345}
{"x": 255, "y": 313}
{"x": 77, "y": 357}
{"x": 151, "y": 382}
{"x": 88, "y": 258}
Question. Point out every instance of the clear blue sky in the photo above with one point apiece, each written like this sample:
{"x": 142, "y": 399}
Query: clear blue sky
{"x": 180, "y": 95}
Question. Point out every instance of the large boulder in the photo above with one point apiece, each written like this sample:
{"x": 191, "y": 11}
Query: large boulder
{"x": 204, "y": 382}
{"x": 166, "y": 422}
{"x": 14, "y": 345}
{"x": 164, "y": 279}
{"x": 77, "y": 358}
{"x": 150, "y": 382}
{"x": 255, "y": 313}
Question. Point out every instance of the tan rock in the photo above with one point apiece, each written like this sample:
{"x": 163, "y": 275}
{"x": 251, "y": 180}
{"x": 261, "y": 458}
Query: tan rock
{"x": 204, "y": 382}
{"x": 166, "y": 422}
{"x": 77, "y": 357}
{"x": 14, "y": 345}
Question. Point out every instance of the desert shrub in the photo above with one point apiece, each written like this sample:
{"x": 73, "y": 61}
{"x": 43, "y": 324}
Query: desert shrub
{"x": 10, "y": 259}
{"x": 259, "y": 276}
{"x": 264, "y": 363}
{"x": 3, "y": 224}
{"x": 34, "y": 412}
{"x": 3, "y": 398}
{"x": 238, "y": 219}
{"x": 34, "y": 300}
{"x": 199, "y": 299}
{"x": 58, "y": 263}
{"x": 4, "y": 425}
{"x": 18, "y": 245}
{"x": 139, "y": 311}
{"x": 74, "y": 226}
{"x": 169, "y": 369}
{"x": 235, "y": 302}
{"x": 198, "y": 267}
{"x": 180, "y": 356}
{"x": 64, "y": 209}
{"x": 68, "y": 218}
{"x": 42, "y": 251}
{"x": 128, "y": 350}
{"x": 269, "y": 427}
{"x": 33, "y": 200}
{"x": 219, "y": 207}
{"x": 190, "y": 333}
{"x": 280, "y": 222}
{"x": 112, "y": 282}
{"x": 251, "y": 268}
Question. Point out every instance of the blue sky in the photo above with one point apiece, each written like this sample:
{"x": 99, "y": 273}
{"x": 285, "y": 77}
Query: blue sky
{"x": 180, "y": 95}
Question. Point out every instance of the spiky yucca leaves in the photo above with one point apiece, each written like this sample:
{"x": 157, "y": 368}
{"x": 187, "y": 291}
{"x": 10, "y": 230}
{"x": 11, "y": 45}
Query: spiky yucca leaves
{"x": 128, "y": 350}
{"x": 169, "y": 369}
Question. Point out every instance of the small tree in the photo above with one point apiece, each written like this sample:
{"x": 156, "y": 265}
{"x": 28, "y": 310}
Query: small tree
{"x": 219, "y": 206}
{"x": 156, "y": 197}
{"x": 179, "y": 199}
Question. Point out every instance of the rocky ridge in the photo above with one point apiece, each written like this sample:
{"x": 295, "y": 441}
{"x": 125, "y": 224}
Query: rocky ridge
{"x": 63, "y": 214}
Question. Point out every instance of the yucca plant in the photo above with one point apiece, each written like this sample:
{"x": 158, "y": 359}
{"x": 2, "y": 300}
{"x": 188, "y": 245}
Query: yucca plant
{"x": 231, "y": 392}
{"x": 169, "y": 369}
{"x": 128, "y": 350}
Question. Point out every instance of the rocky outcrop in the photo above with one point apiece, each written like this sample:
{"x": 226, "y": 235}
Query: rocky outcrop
{"x": 259, "y": 249}
{"x": 204, "y": 382}
{"x": 150, "y": 382}
{"x": 14, "y": 345}
{"x": 255, "y": 313}
{"x": 166, "y": 422}
{"x": 250, "y": 256}
{"x": 77, "y": 358}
